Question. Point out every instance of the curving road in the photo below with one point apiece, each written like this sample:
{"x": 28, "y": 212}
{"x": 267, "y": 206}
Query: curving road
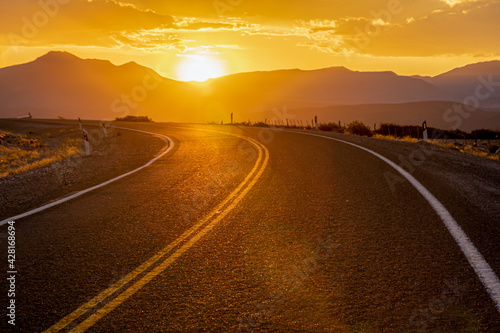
{"x": 248, "y": 229}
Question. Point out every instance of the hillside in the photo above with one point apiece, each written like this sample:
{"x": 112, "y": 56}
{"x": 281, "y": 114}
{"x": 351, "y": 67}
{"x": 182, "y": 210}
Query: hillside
{"x": 330, "y": 86}
{"x": 61, "y": 84}
{"x": 474, "y": 80}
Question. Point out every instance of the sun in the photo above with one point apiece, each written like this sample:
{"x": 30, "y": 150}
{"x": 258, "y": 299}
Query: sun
{"x": 199, "y": 68}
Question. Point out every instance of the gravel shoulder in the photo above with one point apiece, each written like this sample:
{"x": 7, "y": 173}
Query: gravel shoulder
{"x": 120, "y": 152}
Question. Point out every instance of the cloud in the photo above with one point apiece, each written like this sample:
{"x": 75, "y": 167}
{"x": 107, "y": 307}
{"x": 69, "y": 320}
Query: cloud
{"x": 465, "y": 28}
{"x": 149, "y": 40}
{"x": 452, "y": 3}
{"x": 468, "y": 28}
{"x": 77, "y": 22}
{"x": 377, "y": 27}
{"x": 193, "y": 24}
{"x": 102, "y": 23}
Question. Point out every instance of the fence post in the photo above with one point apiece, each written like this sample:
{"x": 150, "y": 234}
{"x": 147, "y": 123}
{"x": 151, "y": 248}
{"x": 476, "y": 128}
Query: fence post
{"x": 424, "y": 131}
{"x": 104, "y": 129}
{"x": 86, "y": 142}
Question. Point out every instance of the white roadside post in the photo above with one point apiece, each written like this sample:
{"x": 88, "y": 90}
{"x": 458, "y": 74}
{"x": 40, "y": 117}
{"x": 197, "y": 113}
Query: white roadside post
{"x": 80, "y": 123}
{"x": 316, "y": 122}
{"x": 86, "y": 142}
{"x": 424, "y": 131}
{"x": 104, "y": 129}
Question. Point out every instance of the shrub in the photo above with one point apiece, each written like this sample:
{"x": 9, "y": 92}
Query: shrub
{"x": 330, "y": 127}
{"x": 135, "y": 119}
{"x": 358, "y": 128}
{"x": 260, "y": 124}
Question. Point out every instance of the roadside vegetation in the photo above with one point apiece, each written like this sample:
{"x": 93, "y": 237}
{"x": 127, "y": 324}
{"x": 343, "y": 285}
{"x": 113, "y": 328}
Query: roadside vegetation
{"x": 142, "y": 119}
{"x": 20, "y": 153}
{"x": 481, "y": 142}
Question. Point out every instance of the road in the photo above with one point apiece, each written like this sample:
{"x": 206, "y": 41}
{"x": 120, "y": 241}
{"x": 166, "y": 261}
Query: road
{"x": 248, "y": 229}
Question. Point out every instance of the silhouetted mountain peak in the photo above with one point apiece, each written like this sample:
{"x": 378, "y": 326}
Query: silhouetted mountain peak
{"x": 132, "y": 65}
{"x": 335, "y": 69}
{"x": 480, "y": 68}
{"x": 66, "y": 58}
{"x": 62, "y": 84}
{"x": 58, "y": 56}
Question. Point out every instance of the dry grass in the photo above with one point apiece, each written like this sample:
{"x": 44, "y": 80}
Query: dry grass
{"x": 19, "y": 153}
{"x": 467, "y": 149}
{"x": 494, "y": 157}
{"x": 448, "y": 145}
{"x": 475, "y": 152}
{"x": 392, "y": 137}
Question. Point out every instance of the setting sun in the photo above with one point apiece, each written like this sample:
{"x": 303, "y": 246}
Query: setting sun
{"x": 199, "y": 68}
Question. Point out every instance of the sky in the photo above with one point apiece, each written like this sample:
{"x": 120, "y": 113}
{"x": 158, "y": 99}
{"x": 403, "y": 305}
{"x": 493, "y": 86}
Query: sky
{"x": 218, "y": 37}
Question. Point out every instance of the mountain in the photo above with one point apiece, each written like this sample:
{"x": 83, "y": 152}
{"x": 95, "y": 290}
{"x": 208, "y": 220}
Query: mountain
{"x": 480, "y": 80}
{"x": 330, "y": 86}
{"x": 61, "y": 84}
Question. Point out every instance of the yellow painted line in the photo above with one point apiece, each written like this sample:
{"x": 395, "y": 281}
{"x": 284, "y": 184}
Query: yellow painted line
{"x": 132, "y": 275}
{"x": 168, "y": 261}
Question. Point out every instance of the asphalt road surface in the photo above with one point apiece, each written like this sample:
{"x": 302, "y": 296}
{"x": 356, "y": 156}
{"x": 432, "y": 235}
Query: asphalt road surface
{"x": 241, "y": 229}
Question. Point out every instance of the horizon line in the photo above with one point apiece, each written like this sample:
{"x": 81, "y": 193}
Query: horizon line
{"x": 247, "y": 72}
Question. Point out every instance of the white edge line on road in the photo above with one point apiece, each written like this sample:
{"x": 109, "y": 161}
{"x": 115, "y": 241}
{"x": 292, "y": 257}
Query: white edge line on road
{"x": 68, "y": 198}
{"x": 483, "y": 270}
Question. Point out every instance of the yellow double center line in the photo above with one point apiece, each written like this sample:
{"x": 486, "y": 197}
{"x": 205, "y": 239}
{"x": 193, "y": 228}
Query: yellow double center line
{"x": 164, "y": 258}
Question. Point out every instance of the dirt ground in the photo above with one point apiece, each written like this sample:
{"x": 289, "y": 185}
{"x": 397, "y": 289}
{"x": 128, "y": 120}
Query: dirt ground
{"x": 120, "y": 152}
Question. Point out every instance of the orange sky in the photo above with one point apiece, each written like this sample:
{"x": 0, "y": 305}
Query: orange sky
{"x": 425, "y": 37}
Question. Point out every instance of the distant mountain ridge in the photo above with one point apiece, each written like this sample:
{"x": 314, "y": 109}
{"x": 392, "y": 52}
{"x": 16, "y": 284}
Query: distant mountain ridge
{"x": 331, "y": 86}
{"x": 62, "y": 84}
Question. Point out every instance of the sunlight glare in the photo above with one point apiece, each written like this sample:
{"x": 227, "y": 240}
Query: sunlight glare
{"x": 199, "y": 68}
